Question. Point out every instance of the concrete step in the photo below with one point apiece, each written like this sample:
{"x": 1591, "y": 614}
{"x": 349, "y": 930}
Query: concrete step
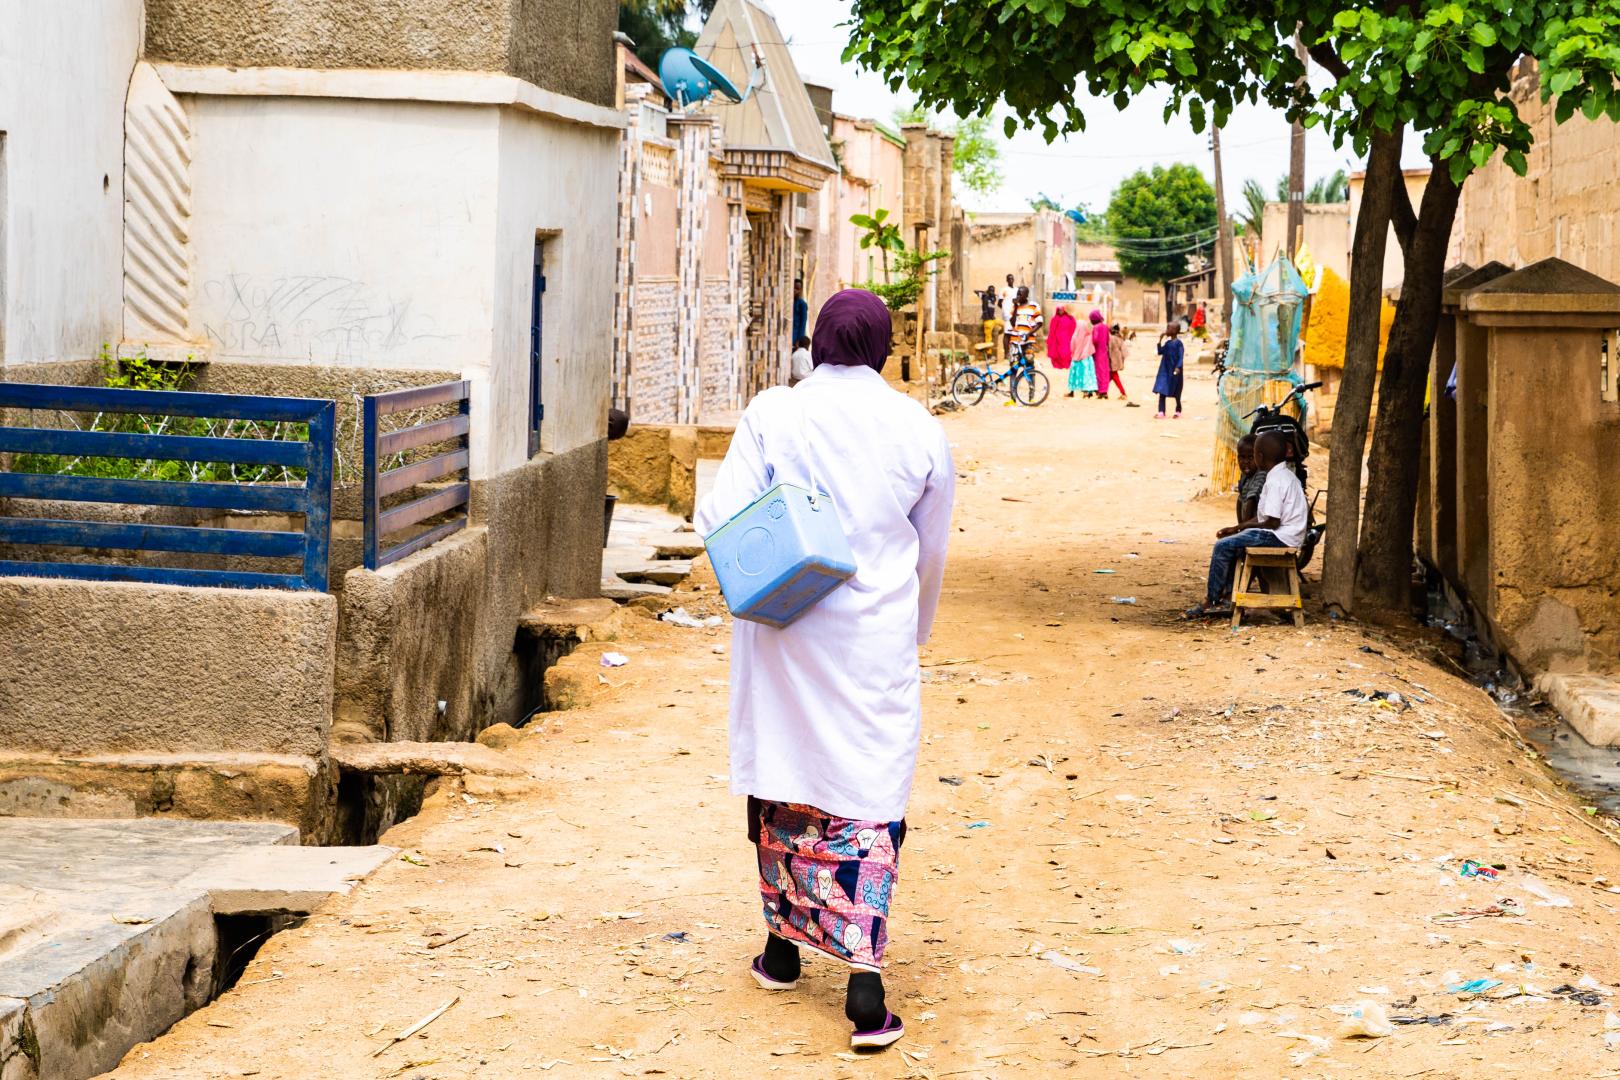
{"x": 658, "y": 572}
{"x": 1591, "y": 704}
{"x": 579, "y": 620}
{"x": 622, "y": 591}
{"x": 676, "y": 546}
{"x": 296, "y": 880}
{"x": 122, "y": 940}
{"x": 424, "y": 759}
{"x": 205, "y": 787}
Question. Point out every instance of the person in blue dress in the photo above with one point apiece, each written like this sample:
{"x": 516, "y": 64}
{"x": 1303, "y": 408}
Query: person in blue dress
{"x": 1172, "y": 356}
{"x": 801, "y": 311}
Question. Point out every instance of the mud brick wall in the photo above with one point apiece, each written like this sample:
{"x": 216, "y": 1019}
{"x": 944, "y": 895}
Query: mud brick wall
{"x": 1566, "y": 205}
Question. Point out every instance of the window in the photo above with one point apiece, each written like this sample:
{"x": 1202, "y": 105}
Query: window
{"x": 537, "y": 406}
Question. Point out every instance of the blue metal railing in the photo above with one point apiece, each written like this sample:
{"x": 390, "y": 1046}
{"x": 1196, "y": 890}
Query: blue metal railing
{"x": 312, "y": 498}
{"x": 380, "y": 482}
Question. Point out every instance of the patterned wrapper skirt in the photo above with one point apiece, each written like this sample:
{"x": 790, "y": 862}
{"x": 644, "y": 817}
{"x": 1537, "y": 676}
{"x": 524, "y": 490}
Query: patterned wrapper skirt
{"x": 1083, "y": 376}
{"x": 826, "y": 881}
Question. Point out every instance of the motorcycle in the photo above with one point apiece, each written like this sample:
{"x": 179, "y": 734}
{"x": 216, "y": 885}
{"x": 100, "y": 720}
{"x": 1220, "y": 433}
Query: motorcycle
{"x": 1297, "y": 446}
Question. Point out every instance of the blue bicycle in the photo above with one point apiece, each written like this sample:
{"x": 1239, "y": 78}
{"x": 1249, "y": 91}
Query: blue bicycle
{"x": 1026, "y": 385}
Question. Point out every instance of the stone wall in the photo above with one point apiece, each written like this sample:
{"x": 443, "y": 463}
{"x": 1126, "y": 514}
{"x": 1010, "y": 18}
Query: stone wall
{"x": 1552, "y": 550}
{"x": 440, "y": 625}
{"x": 1567, "y": 205}
{"x": 560, "y": 45}
{"x": 104, "y": 667}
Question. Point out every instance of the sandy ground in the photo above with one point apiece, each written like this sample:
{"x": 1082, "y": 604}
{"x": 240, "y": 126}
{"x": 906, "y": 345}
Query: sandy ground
{"x": 1138, "y": 847}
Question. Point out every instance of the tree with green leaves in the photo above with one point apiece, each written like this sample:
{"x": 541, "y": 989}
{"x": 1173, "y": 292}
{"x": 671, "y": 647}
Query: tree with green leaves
{"x": 1159, "y": 217}
{"x": 878, "y": 232}
{"x": 1252, "y": 217}
{"x": 1439, "y": 68}
{"x": 657, "y": 26}
{"x": 1332, "y": 188}
{"x": 976, "y": 155}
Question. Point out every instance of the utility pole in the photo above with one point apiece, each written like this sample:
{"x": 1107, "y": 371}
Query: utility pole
{"x": 1296, "y": 165}
{"x": 1223, "y": 232}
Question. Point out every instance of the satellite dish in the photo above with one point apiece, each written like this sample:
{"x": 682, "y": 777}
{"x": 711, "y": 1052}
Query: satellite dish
{"x": 689, "y": 79}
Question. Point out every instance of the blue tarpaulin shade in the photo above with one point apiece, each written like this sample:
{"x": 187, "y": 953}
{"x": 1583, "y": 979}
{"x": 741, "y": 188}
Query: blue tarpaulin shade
{"x": 1267, "y": 306}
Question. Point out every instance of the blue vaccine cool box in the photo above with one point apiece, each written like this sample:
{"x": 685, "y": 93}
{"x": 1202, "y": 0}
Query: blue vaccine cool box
{"x": 779, "y": 556}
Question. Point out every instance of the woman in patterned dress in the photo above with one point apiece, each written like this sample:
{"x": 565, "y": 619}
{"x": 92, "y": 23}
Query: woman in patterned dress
{"x": 826, "y": 713}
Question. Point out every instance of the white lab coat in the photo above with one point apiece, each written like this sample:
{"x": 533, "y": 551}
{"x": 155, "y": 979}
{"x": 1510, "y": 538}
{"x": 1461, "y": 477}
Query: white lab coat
{"x": 828, "y": 712}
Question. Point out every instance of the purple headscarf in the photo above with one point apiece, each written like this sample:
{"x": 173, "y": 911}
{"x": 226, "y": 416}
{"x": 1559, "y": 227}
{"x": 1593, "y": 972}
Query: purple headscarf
{"x": 852, "y": 330}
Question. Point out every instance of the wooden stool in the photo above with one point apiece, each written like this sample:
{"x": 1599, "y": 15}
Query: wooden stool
{"x": 1278, "y": 569}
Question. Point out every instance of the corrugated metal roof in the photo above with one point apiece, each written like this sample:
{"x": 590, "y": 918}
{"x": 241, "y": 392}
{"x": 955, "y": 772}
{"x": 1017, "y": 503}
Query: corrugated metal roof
{"x": 779, "y": 115}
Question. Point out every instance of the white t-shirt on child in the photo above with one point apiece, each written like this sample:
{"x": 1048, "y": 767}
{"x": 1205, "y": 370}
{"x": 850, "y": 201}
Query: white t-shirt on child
{"x": 802, "y": 365}
{"x": 1283, "y": 498}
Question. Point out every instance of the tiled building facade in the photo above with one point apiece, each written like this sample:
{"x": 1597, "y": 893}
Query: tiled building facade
{"x": 717, "y": 206}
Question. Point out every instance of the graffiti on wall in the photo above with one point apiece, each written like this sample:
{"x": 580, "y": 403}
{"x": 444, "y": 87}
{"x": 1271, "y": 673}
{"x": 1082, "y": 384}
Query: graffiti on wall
{"x": 310, "y": 316}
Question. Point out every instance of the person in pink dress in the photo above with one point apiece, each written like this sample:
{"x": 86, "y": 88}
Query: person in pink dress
{"x": 1060, "y": 340}
{"x": 1099, "y": 352}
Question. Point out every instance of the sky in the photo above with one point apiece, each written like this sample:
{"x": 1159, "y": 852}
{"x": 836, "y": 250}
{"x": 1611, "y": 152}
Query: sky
{"x": 1084, "y": 168}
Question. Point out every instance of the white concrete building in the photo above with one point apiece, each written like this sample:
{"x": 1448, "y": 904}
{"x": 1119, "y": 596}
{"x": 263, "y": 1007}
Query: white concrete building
{"x": 328, "y": 199}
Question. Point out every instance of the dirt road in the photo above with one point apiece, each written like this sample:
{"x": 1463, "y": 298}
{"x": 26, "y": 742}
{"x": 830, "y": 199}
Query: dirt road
{"x": 1138, "y": 847}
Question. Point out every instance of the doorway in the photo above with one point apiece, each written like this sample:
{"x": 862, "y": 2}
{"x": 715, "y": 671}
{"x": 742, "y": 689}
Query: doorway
{"x": 537, "y": 296}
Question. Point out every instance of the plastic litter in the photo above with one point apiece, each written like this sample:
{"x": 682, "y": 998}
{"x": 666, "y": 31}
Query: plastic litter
{"x": 1507, "y": 907}
{"x": 1578, "y": 996}
{"x": 1545, "y": 896}
{"x": 681, "y": 617}
{"x": 953, "y": 781}
{"x": 614, "y": 659}
{"x": 1611, "y": 1032}
{"x": 1475, "y": 986}
{"x": 1103, "y": 571}
{"x": 1473, "y": 869}
{"x": 1437, "y": 1021}
{"x": 979, "y": 825}
{"x": 1057, "y": 959}
{"x": 680, "y": 936}
{"x": 1366, "y": 1020}
{"x": 1123, "y": 599}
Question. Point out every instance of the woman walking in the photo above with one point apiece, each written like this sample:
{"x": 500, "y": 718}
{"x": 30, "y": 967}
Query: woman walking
{"x": 826, "y": 713}
{"x": 1060, "y": 340}
{"x": 1083, "y": 372}
{"x": 1171, "y": 356}
{"x": 1099, "y": 353}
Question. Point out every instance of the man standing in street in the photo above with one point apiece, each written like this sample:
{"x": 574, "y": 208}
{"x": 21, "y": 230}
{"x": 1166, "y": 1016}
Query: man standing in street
{"x": 1009, "y": 305}
{"x": 1025, "y": 323}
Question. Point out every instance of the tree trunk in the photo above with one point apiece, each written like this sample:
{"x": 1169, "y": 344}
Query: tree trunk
{"x": 1384, "y": 558}
{"x": 1350, "y": 411}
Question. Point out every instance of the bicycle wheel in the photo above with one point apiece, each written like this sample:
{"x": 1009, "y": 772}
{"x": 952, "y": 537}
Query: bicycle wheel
{"x": 1030, "y": 387}
{"x": 968, "y": 387}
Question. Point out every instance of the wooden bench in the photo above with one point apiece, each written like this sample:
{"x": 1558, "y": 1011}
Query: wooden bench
{"x": 1278, "y": 569}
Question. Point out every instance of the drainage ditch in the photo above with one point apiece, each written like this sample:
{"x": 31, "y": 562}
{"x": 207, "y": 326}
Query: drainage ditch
{"x": 1591, "y": 772}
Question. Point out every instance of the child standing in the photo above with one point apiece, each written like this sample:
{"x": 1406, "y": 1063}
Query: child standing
{"x": 1172, "y": 354}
